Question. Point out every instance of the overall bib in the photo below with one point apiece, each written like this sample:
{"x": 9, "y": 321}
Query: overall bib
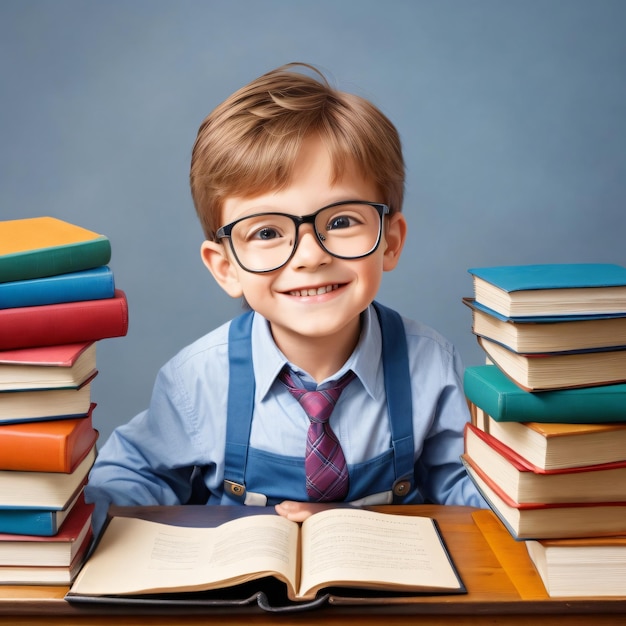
{"x": 256, "y": 477}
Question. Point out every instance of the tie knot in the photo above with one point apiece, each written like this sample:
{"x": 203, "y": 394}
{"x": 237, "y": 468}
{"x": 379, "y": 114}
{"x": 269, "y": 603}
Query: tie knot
{"x": 317, "y": 404}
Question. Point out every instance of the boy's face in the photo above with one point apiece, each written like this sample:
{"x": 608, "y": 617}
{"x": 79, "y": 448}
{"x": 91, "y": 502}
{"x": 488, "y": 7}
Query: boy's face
{"x": 341, "y": 288}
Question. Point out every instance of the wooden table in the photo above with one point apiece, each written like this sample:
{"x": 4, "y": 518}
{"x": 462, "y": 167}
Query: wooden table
{"x": 503, "y": 588}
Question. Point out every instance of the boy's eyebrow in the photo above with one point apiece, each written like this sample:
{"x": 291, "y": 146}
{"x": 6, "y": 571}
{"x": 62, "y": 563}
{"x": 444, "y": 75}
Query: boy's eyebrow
{"x": 273, "y": 209}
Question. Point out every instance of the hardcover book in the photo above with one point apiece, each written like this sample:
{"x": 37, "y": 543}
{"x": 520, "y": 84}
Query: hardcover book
{"x": 550, "y": 521}
{"x": 488, "y": 388}
{"x": 47, "y": 367}
{"x": 524, "y": 483}
{"x": 45, "y": 246}
{"x": 58, "y": 550}
{"x": 342, "y": 547}
{"x": 44, "y": 575}
{"x": 581, "y": 567}
{"x": 93, "y": 284}
{"x": 69, "y": 322}
{"x": 45, "y": 522}
{"x": 551, "y": 289}
{"x": 555, "y": 446}
{"x": 46, "y": 446}
{"x": 43, "y": 404}
{"x": 542, "y": 372}
{"x": 41, "y": 490}
{"x": 530, "y": 337}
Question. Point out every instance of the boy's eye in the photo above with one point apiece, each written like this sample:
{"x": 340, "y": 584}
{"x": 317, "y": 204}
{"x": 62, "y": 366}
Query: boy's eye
{"x": 266, "y": 233}
{"x": 341, "y": 221}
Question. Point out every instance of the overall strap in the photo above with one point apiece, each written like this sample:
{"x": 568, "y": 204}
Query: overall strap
{"x": 241, "y": 388}
{"x": 398, "y": 391}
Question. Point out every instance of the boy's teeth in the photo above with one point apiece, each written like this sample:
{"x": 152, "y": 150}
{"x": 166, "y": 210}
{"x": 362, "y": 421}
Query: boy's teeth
{"x": 314, "y": 292}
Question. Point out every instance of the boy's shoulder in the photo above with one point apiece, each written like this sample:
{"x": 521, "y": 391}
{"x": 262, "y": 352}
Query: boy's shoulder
{"x": 211, "y": 345}
{"x": 419, "y": 331}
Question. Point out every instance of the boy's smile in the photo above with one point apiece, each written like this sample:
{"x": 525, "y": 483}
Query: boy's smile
{"x": 313, "y": 303}
{"x": 313, "y": 291}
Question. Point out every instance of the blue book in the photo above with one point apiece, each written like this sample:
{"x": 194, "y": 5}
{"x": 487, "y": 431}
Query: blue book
{"x": 38, "y": 522}
{"x": 549, "y": 335}
{"x": 551, "y": 289}
{"x": 93, "y": 284}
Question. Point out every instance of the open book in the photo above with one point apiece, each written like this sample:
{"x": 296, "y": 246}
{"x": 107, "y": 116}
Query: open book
{"x": 342, "y": 547}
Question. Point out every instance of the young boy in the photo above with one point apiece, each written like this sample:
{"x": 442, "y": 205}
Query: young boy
{"x": 299, "y": 189}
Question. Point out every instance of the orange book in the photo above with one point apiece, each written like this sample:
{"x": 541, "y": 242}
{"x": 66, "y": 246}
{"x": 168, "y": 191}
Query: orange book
{"x": 554, "y": 446}
{"x": 47, "y": 446}
{"x": 45, "y": 246}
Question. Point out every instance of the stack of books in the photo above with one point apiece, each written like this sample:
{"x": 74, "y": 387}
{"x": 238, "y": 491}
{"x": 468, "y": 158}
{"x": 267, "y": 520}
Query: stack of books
{"x": 547, "y": 442}
{"x": 57, "y": 299}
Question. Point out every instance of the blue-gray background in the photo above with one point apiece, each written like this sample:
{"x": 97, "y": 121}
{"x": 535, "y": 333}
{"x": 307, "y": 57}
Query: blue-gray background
{"x": 512, "y": 115}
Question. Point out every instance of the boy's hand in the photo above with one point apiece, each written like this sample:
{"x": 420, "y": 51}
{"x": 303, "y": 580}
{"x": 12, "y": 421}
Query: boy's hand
{"x": 299, "y": 511}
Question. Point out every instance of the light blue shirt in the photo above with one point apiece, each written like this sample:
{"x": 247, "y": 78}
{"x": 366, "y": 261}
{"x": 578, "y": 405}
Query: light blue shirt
{"x": 150, "y": 460}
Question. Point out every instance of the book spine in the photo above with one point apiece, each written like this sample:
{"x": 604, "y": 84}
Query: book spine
{"x": 94, "y": 284}
{"x": 486, "y": 397}
{"x": 56, "y": 260}
{"x": 70, "y": 322}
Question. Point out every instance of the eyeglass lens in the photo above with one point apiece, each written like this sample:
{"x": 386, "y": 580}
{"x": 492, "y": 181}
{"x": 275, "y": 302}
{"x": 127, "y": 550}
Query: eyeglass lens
{"x": 266, "y": 241}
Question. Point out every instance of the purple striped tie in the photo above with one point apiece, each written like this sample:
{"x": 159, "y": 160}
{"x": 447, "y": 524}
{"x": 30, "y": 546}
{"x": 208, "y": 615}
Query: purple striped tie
{"x": 325, "y": 465}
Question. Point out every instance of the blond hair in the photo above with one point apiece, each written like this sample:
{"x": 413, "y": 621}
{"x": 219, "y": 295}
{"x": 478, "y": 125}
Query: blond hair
{"x": 249, "y": 143}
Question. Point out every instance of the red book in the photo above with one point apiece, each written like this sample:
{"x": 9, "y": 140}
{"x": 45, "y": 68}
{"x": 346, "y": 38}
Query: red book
{"x": 538, "y": 520}
{"x": 47, "y": 367}
{"x": 35, "y": 575}
{"x": 523, "y": 482}
{"x": 69, "y": 322}
{"x": 47, "y": 446}
{"x": 53, "y": 551}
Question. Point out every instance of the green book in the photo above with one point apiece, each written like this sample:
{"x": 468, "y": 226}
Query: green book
{"x": 45, "y": 246}
{"x": 489, "y": 389}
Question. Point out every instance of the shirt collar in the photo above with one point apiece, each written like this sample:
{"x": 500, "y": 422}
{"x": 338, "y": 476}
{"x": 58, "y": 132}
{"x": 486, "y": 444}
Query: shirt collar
{"x": 365, "y": 361}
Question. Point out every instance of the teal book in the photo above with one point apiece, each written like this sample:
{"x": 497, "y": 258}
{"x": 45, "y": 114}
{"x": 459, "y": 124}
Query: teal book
{"x": 551, "y": 289}
{"x": 45, "y": 246}
{"x": 92, "y": 284}
{"x": 491, "y": 390}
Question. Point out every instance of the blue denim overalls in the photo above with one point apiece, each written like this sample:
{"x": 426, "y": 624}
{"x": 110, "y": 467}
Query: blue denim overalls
{"x": 256, "y": 477}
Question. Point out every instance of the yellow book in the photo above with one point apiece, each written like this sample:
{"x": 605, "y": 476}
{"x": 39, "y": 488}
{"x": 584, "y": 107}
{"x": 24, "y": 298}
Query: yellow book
{"x": 46, "y": 246}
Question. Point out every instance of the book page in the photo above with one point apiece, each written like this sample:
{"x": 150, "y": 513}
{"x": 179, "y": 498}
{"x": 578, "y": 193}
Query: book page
{"x": 352, "y": 547}
{"x": 137, "y": 556}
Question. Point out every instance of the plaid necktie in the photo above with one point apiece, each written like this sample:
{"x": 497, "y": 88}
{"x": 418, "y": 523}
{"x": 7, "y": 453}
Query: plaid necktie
{"x": 325, "y": 465}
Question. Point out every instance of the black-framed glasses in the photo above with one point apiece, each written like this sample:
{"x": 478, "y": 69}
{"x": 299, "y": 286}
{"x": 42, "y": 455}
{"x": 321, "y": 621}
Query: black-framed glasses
{"x": 264, "y": 242}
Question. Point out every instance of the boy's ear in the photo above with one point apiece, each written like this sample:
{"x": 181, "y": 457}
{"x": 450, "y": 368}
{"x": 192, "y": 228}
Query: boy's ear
{"x": 215, "y": 258}
{"x": 395, "y": 236}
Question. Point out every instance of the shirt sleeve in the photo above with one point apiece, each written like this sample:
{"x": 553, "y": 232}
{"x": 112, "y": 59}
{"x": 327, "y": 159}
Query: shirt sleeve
{"x": 439, "y": 471}
{"x": 149, "y": 460}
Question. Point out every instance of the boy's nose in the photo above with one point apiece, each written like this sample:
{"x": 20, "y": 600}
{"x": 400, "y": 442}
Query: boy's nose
{"x": 309, "y": 252}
